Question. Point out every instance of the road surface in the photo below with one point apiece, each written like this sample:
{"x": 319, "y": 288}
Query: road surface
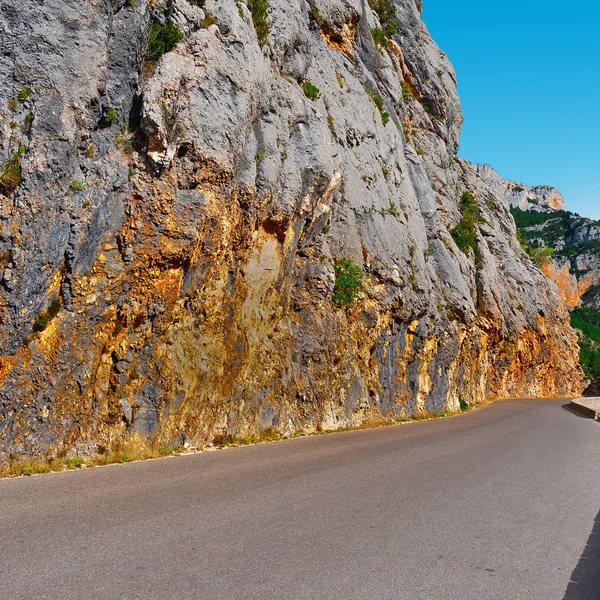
{"x": 499, "y": 503}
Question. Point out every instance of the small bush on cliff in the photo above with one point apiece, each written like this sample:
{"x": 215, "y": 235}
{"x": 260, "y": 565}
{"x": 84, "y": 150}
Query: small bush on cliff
{"x": 379, "y": 38}
{"x": 465, "y": 233}
{"x": 44, "y": 318}
{"x": 111, "y": 116}
{"x": 348, "y": 281}
{"x": 11, "y": 173}
{"x": 541, "y": 256}
{"x": 260, "y": 18}
{"x": 162, "y": 39}
{"x": 379, "y": 103}
{"x": 406, "y": 90}
{"x": 24, "y": 94}
{"x": 386, "y": 12}
{"x": 311, "y": 91}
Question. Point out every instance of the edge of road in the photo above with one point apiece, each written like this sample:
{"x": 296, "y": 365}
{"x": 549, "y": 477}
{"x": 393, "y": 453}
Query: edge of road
{"x": 81, "y": 464}
{"x": 589, "y": 407}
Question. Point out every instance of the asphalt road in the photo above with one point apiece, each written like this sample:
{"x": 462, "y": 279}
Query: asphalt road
{"x": 499, "y": 503}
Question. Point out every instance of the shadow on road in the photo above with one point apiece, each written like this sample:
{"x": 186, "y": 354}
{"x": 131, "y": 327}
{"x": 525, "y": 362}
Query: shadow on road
{"x": 568, "y": 408}
{"x": 585, "y": 580}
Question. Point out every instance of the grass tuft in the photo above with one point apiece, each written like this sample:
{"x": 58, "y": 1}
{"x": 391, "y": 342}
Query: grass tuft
{"x": 45, "y": 317}
{"x": 11, "y": 173}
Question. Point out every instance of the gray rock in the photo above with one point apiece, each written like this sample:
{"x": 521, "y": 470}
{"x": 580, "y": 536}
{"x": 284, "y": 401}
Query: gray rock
{"x": 519, "y": 195}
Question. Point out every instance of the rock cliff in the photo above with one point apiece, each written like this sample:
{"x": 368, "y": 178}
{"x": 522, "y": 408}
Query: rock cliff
{"x": 189, "y": 189}
{"x": 519, "y": 195}
{"x": 568, "y": 245}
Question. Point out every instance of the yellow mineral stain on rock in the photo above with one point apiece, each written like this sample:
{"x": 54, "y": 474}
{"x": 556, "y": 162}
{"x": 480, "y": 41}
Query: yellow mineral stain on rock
{"x": 343, "y": 42}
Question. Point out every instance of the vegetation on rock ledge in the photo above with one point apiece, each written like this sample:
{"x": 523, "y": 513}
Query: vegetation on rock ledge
{"x": 465, "y": 233}
{"x": 162, "y": 39}
{"x": 11, "y": 174}
{"x": 348, "y": 281}
{"x": 44, "y": 318}
{"x": 260, "y": 18}
{"x": 386, "y": 12}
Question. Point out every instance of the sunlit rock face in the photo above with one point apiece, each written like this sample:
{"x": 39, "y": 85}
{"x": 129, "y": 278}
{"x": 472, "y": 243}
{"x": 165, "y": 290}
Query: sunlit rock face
{"x": 175, "y": 278}
{"x": 519, "y": 195}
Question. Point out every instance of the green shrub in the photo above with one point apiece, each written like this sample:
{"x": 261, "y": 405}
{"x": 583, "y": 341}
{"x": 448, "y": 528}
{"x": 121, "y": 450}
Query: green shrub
{"x": 348, "y": 281}
{"x": 162, "y": 39}
{"x": 465, "y": 233}
{"x": 406, "y": 90}
{"x": 315, "y": 14}
{"x": 199, "y": 3}
{"x": 312, "y": 92}
{"x": 379, "y": 103}
{"x": 76, "y": 185}
{"x": 209, "y": 19}
{"x": 123, "y": 143}
{"x": 464, "y": 405}
{"x": 111, "y": 115}
{"x": 260, "y": 18}
{"x": 379, "y": 37}
{"x": 24, "y": 94}
{"x": 386, "y": 12}
{"x": 540, "y": 256}
{"x": 11, "y": 173}
{"x": 43, "y": 319}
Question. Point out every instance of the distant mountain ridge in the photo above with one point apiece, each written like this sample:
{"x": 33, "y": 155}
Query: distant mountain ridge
{"x": 548, "y": 231}
{"x": 519, "y": 195}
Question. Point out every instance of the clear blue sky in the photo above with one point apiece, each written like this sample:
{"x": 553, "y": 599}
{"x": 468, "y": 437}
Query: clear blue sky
{"x": 529, "y": 80}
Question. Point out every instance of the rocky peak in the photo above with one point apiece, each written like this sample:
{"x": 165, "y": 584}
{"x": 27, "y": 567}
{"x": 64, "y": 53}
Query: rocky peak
{"x": 518, "y": 195}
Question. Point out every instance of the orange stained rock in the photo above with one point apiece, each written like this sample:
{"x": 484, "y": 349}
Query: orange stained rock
{"x": 570, "y": 289}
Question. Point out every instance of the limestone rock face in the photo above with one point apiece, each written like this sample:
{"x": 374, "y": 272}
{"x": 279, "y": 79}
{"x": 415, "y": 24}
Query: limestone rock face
{"x": 520, "y": 195}
{"x": 174, "y": 278}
